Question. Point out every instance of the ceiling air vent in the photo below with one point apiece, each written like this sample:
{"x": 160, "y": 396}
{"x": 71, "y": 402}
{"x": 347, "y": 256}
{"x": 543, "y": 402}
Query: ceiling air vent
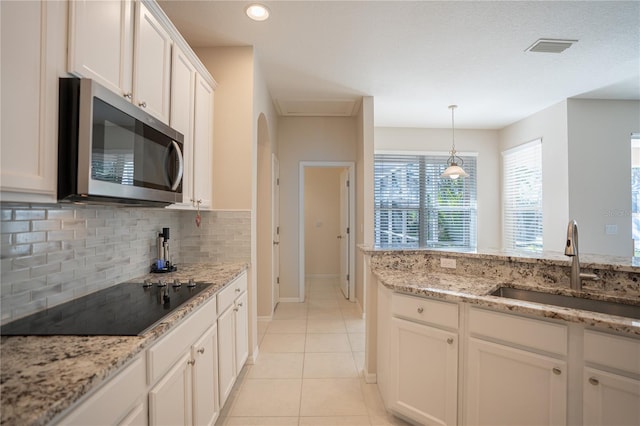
{"x": 549, "y": 45}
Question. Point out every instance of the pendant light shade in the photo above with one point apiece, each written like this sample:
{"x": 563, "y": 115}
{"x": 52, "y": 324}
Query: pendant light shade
{"x": 454, "y": 171}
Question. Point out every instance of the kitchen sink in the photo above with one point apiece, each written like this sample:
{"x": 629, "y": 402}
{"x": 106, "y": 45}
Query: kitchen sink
{"x": 601, "y": 306}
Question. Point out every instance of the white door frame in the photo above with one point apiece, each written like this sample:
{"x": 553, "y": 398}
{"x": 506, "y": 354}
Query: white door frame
{"x": 275, "y": 232}
{"x": 350, "y": 165}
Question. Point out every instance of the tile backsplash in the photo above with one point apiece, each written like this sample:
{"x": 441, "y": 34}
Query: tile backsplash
{"x": 51, "y": 254}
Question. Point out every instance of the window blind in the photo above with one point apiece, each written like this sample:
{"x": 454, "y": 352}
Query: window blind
{"x": 414, "y": 207}
{"x": 522, "y": 197}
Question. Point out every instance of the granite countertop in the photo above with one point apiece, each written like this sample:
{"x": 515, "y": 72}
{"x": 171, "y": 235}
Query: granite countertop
{"x": 477, "y": 290}
{"x": 590, "y": 261}
{"x": 40, "y": 376}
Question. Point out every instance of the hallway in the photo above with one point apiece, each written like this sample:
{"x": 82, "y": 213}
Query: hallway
{"x": 309, "y": 367}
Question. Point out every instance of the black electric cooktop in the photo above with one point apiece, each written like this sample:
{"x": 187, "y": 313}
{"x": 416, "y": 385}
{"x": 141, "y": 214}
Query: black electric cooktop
{"x": 126, "y": 309}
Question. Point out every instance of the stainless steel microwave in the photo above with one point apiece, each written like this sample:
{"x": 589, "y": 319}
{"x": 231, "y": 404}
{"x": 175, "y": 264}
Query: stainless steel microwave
{"x": 111, "y": 151}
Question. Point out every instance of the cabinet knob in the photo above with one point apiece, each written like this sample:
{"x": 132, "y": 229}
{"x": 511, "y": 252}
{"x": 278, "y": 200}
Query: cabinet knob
{"x": 450, "y": 340}
{"x": 556, "y": 371}
{"x": 128, "y": 95}
{"x": 201, "y": 350}
{"x": 191, "y": 362}
{"x": 236, "y": 309}
{"x": 240, "y": 304}
{"x": 594, "y": 381}
{"x": 420, "y": 310}
{"x": 142, "y": 104}
{"x": 238, "y": 290}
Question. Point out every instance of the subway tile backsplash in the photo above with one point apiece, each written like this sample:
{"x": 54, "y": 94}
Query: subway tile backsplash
{"x": 51, "y": 254}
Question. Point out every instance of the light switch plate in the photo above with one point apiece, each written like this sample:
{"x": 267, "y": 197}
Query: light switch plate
{"x": 446, "y": 262}
{"x": 611, "y": 229}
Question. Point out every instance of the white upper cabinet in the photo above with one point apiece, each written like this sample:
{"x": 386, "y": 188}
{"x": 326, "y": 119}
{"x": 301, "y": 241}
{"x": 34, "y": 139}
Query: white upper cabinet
{"x": 105, "y": 55}
{"x": 152, "y": 65}
{"x": 33, "y": 57}
{"x": 203, "y": 139}
{"x": 183, "y": 86}
{"x": 129, "y": 55}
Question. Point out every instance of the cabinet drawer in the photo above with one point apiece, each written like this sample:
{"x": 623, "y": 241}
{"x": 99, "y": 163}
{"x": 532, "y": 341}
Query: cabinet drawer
{"x": 113, "y": 401}
{"x": 612, "y": 351}
{"x": 431, "y": 311}
{"x": 162, "y": 355}
{"x": 535, "y": 334}
{"x": 227, "y": 295}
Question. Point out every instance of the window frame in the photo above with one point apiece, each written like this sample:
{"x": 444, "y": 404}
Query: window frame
{"x": 508, "y": 243}
{"x": 428, "y": 215}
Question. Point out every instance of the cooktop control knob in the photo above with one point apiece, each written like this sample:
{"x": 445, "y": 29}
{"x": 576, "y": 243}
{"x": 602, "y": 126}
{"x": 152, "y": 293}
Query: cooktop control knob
{"x": 192, "y": 283}
{"x": 161, "y": 283}
{"x": 147, "y": 283}
{"x": 177, "y": 283}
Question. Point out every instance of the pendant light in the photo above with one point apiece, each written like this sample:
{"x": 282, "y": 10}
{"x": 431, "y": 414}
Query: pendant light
{"x": 454, "y": 171}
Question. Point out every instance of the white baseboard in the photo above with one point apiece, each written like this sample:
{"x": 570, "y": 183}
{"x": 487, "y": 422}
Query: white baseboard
{"x": 369, "y": 377}
{"x": 291, "y": 299}
{"x": 254, "y": 356}
{"x": 322, "y": 276}
{"x": 360, "y": 309}
{"x": 265, "y": 318}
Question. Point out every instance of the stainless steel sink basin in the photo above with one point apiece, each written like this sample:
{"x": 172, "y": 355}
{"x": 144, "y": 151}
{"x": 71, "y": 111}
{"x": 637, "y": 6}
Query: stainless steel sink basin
{"x": 602, "y": 306}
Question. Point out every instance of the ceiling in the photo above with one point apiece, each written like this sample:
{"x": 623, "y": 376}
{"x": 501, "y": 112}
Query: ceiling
{"x": 417, "y": 57}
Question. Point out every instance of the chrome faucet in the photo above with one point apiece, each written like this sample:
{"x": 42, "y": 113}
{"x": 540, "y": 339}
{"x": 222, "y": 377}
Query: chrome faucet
{"x": 571, "y": 250}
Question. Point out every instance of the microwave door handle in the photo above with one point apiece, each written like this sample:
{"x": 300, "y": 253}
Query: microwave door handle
{"x": 180, "y": 166}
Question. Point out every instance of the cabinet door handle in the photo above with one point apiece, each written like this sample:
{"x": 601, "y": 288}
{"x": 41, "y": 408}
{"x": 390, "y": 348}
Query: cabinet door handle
{"x": 201, "y": 350}
{"x": 240, "y": 304}
{"x": 236, "y": 309}
{"x": 556, "y": 371}
{"x": 128, "y": 95}
{"x": 420, "y": 310}
{"x": 594, "y": 381}
{"x": 191, "y": 362}
{"x": 142, "y": 104}
{"x": 238, "y": 290}
{"x": 450, "y": 340}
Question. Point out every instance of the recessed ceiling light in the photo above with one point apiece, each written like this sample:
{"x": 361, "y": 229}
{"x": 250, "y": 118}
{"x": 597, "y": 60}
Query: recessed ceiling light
{"x": 257, "y": 12}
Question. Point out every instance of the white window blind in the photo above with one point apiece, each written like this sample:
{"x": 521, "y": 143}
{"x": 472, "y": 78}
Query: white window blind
{"x": 522, "y": 197}
{"x": 415, "y": 207}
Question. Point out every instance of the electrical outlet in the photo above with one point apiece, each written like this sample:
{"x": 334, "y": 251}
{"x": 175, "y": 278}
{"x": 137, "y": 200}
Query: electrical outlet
{"x": 446, "y": 262}
{"x": 611, "y": 229}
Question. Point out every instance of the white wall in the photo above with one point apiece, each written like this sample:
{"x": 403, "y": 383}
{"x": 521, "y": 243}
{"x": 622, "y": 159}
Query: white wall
{"x": 305, "y": 139}
{"x": 549, "y": 124}
{"x": 600, "y": 172}
{"x": 322, "y": 221}
{"x": 484, "y": 142}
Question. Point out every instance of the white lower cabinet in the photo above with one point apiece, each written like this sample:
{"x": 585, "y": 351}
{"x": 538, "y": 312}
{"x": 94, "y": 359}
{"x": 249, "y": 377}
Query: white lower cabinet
{"x": 121, "y": 401}
{"x": 233, "y": 337}
{"x": 423, "y": 360}
{"x": 610, "y": 382}
{"x": 188, "y": 393}
{"x": 424, "y": 371}
{"x": 241, "y": 323}
{"x": 206, "y": 407}
{"x": 170, "y": 399}
{"x": 226, "y": 354}
{"x": 508, "y": 386}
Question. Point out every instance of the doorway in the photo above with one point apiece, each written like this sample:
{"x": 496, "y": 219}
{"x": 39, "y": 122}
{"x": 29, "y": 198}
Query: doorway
{"x": 327, "y": 217}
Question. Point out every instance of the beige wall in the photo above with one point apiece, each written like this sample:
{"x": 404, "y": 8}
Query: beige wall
{"x": 233, "y": 124}
{"x": 482, "y": 142}
{"x": 322, "y": 221}
{"x": 305, "y": 139}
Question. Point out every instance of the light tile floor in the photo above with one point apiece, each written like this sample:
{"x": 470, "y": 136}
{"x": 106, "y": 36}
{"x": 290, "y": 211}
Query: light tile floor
{"x": 309, "y": 368}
